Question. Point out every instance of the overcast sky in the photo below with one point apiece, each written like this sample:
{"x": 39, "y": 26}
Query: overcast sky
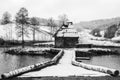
{"x": 77, "y": 10}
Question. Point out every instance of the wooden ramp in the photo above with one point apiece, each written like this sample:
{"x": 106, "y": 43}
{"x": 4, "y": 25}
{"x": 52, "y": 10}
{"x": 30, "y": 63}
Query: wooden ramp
{"x": 63, "y": 69}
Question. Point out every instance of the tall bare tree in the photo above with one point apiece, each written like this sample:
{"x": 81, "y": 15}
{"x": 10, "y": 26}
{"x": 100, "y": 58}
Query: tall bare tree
{"x": 63, "y": 19}
{"x": 34, "y": 26}
{"x": 22, "y": 22}
{"x": 52, "y": 24}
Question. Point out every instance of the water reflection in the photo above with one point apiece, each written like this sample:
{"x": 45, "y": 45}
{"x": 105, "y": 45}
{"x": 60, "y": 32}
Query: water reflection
{"x": 110, "y": 61}
{"x": 12, "y": 62}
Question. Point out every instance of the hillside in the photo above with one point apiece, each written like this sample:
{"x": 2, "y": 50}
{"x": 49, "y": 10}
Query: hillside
{"x": 99, "y": 24}
{"x": 9, "y": 32}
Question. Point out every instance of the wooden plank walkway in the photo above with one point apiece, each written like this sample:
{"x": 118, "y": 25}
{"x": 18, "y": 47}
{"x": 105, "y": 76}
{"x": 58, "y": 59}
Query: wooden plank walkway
{"x": 63, "y": 69}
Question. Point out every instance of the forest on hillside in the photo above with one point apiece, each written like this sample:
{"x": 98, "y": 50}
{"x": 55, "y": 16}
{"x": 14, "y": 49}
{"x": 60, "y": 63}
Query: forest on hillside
{"x": 110, "y": 27}
{"x": 99, "y": 24}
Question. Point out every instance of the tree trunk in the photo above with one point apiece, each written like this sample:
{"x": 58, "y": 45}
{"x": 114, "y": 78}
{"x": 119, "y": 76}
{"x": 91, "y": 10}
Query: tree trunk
{"x": 11, "y": 32}
{"x": 33, "y": 35}
{"x": 22, "y": 37}
{"x": 51, "y": 32}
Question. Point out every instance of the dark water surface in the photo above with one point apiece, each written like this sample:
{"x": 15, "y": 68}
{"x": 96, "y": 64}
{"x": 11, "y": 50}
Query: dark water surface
{"x": 11, "y": 62}
{"x": 110, "y": 61}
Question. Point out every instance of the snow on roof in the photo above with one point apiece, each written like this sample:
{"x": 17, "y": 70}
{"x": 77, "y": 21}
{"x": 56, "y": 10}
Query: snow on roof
{"x": 67, "y": 32}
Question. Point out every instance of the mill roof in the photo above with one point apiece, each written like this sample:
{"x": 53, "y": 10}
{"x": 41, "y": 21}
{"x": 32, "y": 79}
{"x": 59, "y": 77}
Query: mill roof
{"x": 67, "y": 32}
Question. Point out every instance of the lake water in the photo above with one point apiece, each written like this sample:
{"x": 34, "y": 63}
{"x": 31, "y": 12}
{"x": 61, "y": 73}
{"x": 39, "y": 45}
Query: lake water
{"x": 110, "y": 61}
{"x": 11, "y": 62}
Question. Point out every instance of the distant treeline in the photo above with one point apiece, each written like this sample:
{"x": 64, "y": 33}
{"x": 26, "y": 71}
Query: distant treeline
{"x": 24, "y": 23}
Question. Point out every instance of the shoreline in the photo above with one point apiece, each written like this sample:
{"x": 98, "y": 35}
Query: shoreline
{"x": 66, "y": 78}
{"x": 69, "y": 78}
{"x": 34, "y": 67}
{"x": 82, "y": 75}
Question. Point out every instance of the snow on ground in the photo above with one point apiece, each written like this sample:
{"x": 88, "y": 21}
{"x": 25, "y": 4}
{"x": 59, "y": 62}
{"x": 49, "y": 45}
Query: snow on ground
{"x": 86, "y": 38}
{"x": 46, "y": 43}
{"x": 9, "y": 32}
{"x": 116, "y": 38}
{"x": 63, "y": 69}
{"x": 45, "y": 28}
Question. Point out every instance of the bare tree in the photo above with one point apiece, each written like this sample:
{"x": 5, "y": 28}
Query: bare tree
{"x": 63, "y": 19}
{"x": 34, "y": 26}
{"x": 22, "y": 22}
{"x": 52, "y": 24}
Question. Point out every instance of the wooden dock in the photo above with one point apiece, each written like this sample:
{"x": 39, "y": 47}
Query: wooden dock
{"x": 64, "y": 68}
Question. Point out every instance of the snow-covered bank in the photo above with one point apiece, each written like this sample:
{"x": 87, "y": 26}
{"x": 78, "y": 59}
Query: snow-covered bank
{"x": 9, "y": 32}
{"x": 30, "y": 51}
{"x": 86, "y": 38}
{"x": 46, "y": 44}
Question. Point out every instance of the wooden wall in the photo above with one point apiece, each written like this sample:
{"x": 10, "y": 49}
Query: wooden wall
{"x": 66, "y": 42}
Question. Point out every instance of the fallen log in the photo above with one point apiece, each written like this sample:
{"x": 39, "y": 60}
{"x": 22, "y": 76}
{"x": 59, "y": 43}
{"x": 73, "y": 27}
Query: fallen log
{"x": 58, "y": 56}
{"x": 26, "y": 69}
{"x": 112, "y": 72}
{"x": 34, "y": 67}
